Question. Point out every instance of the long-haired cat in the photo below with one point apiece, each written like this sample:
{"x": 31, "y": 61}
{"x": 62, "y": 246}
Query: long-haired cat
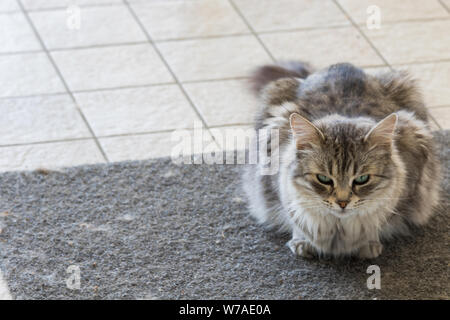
{"x": 357, "y": 160}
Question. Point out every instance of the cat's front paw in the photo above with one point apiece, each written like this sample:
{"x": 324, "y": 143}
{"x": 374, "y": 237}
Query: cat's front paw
{"x": 301, "y": 248}
{"x": 371, "y": 250}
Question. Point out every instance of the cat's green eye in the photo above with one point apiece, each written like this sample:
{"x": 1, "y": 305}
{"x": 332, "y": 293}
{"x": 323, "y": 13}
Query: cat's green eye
{"x": 361, "y": 179}
{"x": 324, "y": 179}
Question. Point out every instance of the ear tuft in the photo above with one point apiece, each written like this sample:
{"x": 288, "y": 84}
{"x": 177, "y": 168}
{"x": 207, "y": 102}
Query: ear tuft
{"x": 383, "y": 132}
{"x": 304, "y": 131}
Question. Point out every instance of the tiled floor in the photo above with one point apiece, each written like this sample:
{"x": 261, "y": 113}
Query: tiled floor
{"x": 117, "y": 85}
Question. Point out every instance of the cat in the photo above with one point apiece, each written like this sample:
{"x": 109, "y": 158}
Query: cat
{"x": 357, "y": 158}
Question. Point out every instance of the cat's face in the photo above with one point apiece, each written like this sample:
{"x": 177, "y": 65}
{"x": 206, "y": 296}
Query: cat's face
{"x": 343, "y": 167}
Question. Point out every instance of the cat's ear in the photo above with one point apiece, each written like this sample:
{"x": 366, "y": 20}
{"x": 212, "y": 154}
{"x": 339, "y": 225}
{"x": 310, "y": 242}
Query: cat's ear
{"x": 383, "y": 132}
{"x": 305, "y": 132}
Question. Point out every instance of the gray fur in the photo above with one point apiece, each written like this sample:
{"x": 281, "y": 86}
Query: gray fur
{"x": 344, "y": 104}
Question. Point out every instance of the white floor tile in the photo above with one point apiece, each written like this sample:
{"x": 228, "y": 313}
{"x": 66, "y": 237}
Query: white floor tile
{"x": 322, "y": 47}
{"x": 155, "y": 145}
{"x": 187, "y": 19}
{"x": 27, "y": 120}
{"x": 111, "y": 67}
{"x": 442, "y": 116}
{"x": 224, "y": 102}
{"x": 9, "y": 6}
{"x": 50, "y": 4}
{"x": 410, "y": 42}
{"x": 376, "y": 70}
{"x": 269, "y": 15}
{"x": 214, "y": 58}
{"x": 49, "y": 155}
{"x": 446, "y": 3}
{"x": 393, "y": 10}
{"x": 16, "y": 34}
{"x": 28, "y": 74}
{"x": 98, "y": 26}
{"x": 137, "y": 110}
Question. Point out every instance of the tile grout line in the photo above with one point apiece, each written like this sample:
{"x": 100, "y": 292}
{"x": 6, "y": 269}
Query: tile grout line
{"x": 117, "y": 4}
{"x": 196, "y": 81}
{"x": 439, "y": 106}
{"x": 119, "y": 135}
{"x": 421, "y": 62}
{"x": 97, "y": 46}
{"x": 161, "y": 56}
{"x": 249, "y": 26}
{"x": 257, "y": 34}
{"x": 188, "y": 82}
{"x": 37, "y": 95}
{"x": 12, "y": 53}
{"x": 355, "y": 25}
{"x": 216, "y": 80}
{"x": 89, "y": 91}
{"x": 100, "y": 6}
{"x": 116, "y": 135}
{"x": 131, "y": 134}
{"x": 22, "y": 144}
{"x": 444, "y": 5}
{"x": 30, "y": 22}
{"x": 137, "y": 86}
{"x": 204, "y": 37}
{"x": 218, "y": 36}
{"x": 434, "y": 120}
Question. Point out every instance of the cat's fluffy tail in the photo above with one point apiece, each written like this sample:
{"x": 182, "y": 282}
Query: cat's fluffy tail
{"x": 266, "y": 74}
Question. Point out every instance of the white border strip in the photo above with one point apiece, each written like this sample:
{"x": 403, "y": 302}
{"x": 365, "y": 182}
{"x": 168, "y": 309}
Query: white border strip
{"x": 4, "y": 291}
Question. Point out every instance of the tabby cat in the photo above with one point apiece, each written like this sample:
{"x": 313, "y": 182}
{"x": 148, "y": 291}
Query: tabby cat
{"x": 357, "y": 159}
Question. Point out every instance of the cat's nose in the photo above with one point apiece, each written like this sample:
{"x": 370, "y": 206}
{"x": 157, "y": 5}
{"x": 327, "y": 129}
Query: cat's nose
{"x": 342, "y": 203}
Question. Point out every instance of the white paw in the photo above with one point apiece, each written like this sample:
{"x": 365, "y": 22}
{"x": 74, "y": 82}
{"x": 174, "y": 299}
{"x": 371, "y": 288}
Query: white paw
{"x": 371, "y": 250}
{"x": 301, "y": 248}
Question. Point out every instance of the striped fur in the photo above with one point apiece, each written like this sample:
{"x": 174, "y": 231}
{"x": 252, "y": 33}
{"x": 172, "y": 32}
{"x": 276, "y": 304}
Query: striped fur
{"x": 342, "y": 105}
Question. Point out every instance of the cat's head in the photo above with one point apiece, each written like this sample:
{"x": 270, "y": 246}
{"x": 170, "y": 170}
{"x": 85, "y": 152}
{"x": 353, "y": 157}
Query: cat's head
{"x": 344, "y": 166}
